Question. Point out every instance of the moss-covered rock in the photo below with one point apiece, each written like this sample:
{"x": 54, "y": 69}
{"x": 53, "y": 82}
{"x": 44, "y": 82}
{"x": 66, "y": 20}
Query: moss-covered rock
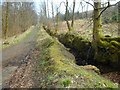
{"x": 81, "y": 46}
{"x": 108, "y": 39}
{"x": 115, "y": 43}
{"x": 57, "y": 68}
{"x": 109, "y": 51}
{"x": 108, "y": 48}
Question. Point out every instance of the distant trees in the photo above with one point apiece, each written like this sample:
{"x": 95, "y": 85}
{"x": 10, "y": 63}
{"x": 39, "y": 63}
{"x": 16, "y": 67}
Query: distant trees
{"x": 50, "y": 23}
{"x": 82, "y": 9}
{"x": 70, "y": 14}
{"x": 28, "y": 14}
{"x": 70, "y": 26}
{"x": 17, "y": 17}
{"x": 43, "y": 13}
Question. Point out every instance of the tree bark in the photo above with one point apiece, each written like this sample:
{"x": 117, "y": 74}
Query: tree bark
{"x": 70, "y": 26}
{"x": 52, "y": 11}
{"x": 45, "y": 9}
{"x": 72, "y": 23}
{"x": 66, "y": 16}
{"x": 119, "y": 18}
{"x": 57, "y": 20}
{"x": 6, "y": 27}
{"x": 48, "y": 9}
{"x": 97, "y": 26}
{"x": 82, "y": 10}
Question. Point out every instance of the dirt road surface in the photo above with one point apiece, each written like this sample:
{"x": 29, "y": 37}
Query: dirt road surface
{"x": 17, "y": 58}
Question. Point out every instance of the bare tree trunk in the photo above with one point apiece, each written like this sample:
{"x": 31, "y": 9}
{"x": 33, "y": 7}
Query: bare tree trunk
{"x": 57, "y": 20}
{"x": 119, "y": 18}
{"x": 82, "y": 10}
{"x": 87, "y": 10}
{"x": 66, "y": 16}
{"x": 52, "y": 11}
{"x": 48, "y": 9}
{"x": 72, "y": 23}
{"x": 45, "y": 9}
{"x": 6, "y": 27}
{"x": 70, "y": 27}
{"x": 97, "y": 26}
{"x": 53, "y": 14}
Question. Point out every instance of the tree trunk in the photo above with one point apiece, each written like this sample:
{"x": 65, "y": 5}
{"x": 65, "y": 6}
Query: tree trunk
{"x": 6, "y": 27}
{"x": 119, "y": 18}
{"x": 53, "y": 13}
{"x": 97, "y": 26}
{"x": 57, "y": 20}
{"x": 48, "y": 9}
{"x": 72, "y": 23}
{"x": 66, "y": 16}
{"x": 45, "y": 9}
{"x": 82, "y": 10}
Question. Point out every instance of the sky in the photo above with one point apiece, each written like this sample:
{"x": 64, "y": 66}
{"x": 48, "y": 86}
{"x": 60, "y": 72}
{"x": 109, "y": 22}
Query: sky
{"x": 56, "y": 3}
{"x": 62, "y": 8}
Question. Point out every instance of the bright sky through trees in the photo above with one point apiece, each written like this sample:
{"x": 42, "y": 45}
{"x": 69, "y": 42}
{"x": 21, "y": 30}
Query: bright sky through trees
{"x": 62, "y": 8}
{"x": 57, "y": 3}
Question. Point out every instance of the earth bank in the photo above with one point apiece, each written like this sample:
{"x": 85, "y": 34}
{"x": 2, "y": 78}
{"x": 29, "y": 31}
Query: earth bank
{"x": 58, "y": 67}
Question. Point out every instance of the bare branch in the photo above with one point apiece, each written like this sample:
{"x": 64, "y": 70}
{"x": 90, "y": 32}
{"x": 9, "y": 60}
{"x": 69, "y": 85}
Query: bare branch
{"x": 105, "y": 8}
{"x": 89, "y": 3}
{"x": 108, "y": 6}
{"x": 61, "y": 4}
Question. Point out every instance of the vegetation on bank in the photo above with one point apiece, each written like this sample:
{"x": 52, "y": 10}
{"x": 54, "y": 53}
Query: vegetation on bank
{"x": 109, "y": 51}
{"x": 16, "y": 39}
{"x": 57, "y": 67}
{"x": 108, "y": 48}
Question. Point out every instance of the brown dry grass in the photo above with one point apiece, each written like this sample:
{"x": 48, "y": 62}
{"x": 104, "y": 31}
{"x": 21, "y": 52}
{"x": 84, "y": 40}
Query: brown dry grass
{"x": 84, "y": 27}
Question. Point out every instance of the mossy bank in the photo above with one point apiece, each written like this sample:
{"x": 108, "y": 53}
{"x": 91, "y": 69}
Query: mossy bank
{"x": 108, "y": 49}
{"x": 57, "y": 68}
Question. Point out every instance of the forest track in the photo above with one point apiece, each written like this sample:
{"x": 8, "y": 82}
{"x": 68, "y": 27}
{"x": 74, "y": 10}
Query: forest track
{"x": 23, "y": 76}
{"x": 18, "y": 57}
{"x": 18, "y": 50}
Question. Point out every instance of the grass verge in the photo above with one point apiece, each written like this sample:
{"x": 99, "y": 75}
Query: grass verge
{"x": 15, "y": 40}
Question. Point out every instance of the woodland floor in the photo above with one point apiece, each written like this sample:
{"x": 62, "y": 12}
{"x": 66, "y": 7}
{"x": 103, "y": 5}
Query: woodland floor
{"x": 19, "y": 65}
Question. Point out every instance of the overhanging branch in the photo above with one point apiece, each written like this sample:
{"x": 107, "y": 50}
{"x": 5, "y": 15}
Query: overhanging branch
{"x": 105, "y": 8}
{"x": 89, "y": 3}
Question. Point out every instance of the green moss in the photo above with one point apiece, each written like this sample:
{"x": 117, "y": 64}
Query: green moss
{"x": 109, "y": 51}
{"x": 115, "y": 43}
{"x": 76, "y": 42}
{"x": 57, "y": 68}
{"x": 103, "y": 43}
{"x": 108, "y": 39}
{"x": 108, "y": 48}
